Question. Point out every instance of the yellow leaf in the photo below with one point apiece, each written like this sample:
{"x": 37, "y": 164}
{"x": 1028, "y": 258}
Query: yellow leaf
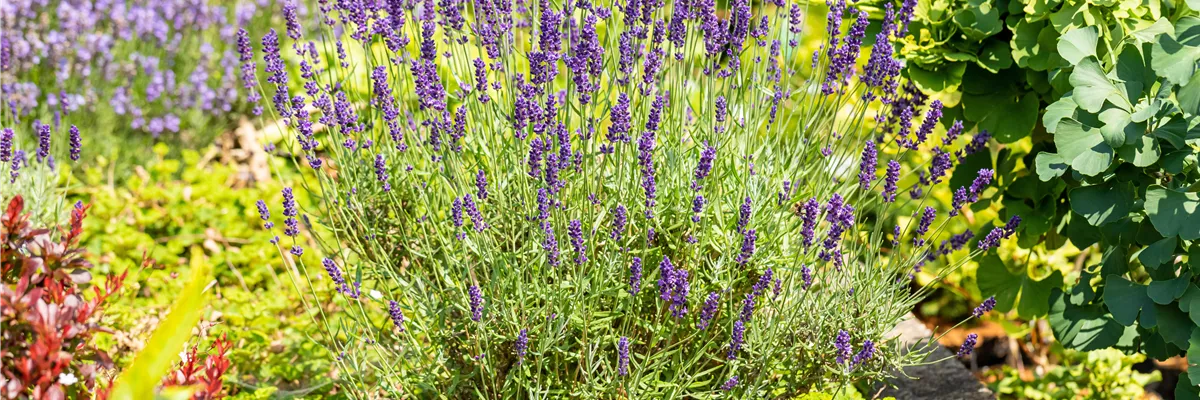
{"x": 162, "y": 350}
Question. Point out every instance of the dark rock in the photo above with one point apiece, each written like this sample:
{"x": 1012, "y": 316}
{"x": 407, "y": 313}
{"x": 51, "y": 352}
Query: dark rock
{"x": 945, "y": 380}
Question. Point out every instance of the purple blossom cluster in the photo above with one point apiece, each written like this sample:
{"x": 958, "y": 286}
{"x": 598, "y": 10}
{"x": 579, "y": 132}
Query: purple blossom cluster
{"x": 65, "y": 58}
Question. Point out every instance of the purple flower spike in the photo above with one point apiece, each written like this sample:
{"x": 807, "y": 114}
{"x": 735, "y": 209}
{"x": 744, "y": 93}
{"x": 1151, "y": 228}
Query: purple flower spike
{"x": 709, "y": 310}
{"x": 6, "y": 144}
{"x": 623, "y": 356}
{"x": 481, "y": 185}
{"x": 396, "y": 314}
{"x": 867, "y": 351}
{"x": 968, "y": 345}
{"x": 522, "y": 345}
{"x": 736, "y": 339}
{"x": 43, "y": 132}
{"x": 635, "y": 276}
{"x": 730, "y": 384}
{"x": 984, "y": 307}
{"x": 923, "y": 226}
{"x": 890, "y": 181}
{"x": 575, "y": 231}
{"x": 841, "y": 346}
{"x": 76, "y": 144}
{"x": 381, "y": 173}
{"x": 866, "y": 168}
{"x": 264, "y": 214}
{"x": 748, "y": 239}
{"x": 476, "y": 298}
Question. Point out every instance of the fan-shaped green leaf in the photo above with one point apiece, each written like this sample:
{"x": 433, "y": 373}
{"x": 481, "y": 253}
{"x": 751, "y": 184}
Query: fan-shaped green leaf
{"x": 1078, "y": 44}
{"x": 1173, "y": 213}
{"x": 1090, "y": 86}
{"x": 1082, "y": 147}
{"x": 1104, "y": 203}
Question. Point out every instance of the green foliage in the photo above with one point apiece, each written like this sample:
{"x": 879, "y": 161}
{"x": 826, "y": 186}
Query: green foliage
{"x": 172, "y": 206}
{"x": 1103, "y": 374}
{"x": 1001, "y": 62}
{"x": 1111, "y": 132}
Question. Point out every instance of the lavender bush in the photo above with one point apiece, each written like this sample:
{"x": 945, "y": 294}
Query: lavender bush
{"x": 126, "y": 69}
{"x": 581, "y": 199}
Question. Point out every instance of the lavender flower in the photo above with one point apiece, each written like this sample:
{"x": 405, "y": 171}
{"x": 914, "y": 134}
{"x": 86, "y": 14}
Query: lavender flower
{"x": 543, "y": 204}
{"x": 76, "y": 143}
{"x": 456, "y": 212}
{"x": 575, "y": 231}
{"x": 748, "y": 239}
{"x": 890, "y": 181}
{"x": 536, "y": 149}
{"x": 620, "y": 218}
{"x": 264, "y": 214}
{"x": 43, "y": 131}
{"x": 961, "y": 198}
{"x": 704, "y": 167}
{"x": 665, "y": 273}
{"x": 623, "y": 356}
{"x": 806, "y": 276}
{"x": 635, "y": 276}
{"x": 278, "y": 73}
{"x": 993, "y": 238}
{"x": 931, "y": 119}
{"x": 722, "y": 110}
{"x": 984, "y": 307}
{"x": 968, "y": 345}
{"x": 481, "y": 185}
{"x": 679, "y": 292}
{"x": 291, "y": 226}
{"x": 785, "y": 194}
{"x": 6, "y": 144}
{"x": 381, "y": 173}
{"x": 697, "y": 207}
{"x": 339, "y": 282}
{"x": 730, "y": 384}
{"x": 621, "y": 120}
{"x": 864, "y": 354}
{"x": 866, "y": 169}
{"x": 522, "y": 345}
{"x": 15, "y": 165}
{"x": 841, "y": 346}
{"x": 980, "y": 183}
{"x": 953, "y": 132}
{"x": 808, "y": 214}
{"x": 923, "y": 226}
{"x": 473, "y": 211}
{"x": 290, "y": 19}
{"x": 764, "y": 281}
{"x": 1010, "y": 227}
{"x": 481, "y": 82}
{"x": 476, "y": 299}
{"x": 939, "y": 165}
{"x": 550, "y": 245}
{"x": 747, "y": 308}
{"x": 979, "y": 142}
{"x": 709, "y": 310}
{"x": 396, "y": 314}
{"x": 736, "y": 339}
{"x": 744, "y": 216}
{"x": 958, "y": 241}
{"x": 646, "y": 160}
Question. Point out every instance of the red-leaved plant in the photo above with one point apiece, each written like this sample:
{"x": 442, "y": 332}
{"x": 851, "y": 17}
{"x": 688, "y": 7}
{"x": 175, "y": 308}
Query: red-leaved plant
{"x": 207, "y": 378}
{"x": 46, "y": 348}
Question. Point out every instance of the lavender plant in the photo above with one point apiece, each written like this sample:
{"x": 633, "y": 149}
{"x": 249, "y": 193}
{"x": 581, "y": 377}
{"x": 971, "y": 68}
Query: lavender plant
{"x": 580, "y": 199}
{"x": 153, "y": 67}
